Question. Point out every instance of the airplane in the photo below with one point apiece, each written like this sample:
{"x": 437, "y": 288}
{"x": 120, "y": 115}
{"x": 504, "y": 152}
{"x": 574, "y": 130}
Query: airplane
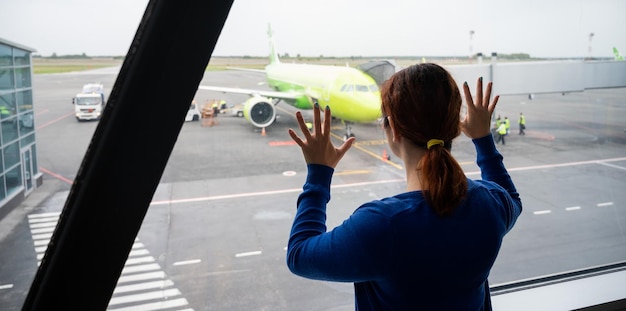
{"x": 617, "y": 55}
{"x": 352, "y": 95}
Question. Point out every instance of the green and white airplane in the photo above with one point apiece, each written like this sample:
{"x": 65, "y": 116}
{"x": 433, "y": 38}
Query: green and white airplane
{"x": 352, "y": 95}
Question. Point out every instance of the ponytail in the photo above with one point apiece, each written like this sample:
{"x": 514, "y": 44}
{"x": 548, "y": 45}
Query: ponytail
{"x": 444, "y": 182}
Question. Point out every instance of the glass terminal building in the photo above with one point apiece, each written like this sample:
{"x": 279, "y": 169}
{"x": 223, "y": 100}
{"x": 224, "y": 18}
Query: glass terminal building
{"x": 19, "y": 174}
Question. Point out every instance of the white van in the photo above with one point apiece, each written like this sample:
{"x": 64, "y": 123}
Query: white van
{"x": 89, "y": 104}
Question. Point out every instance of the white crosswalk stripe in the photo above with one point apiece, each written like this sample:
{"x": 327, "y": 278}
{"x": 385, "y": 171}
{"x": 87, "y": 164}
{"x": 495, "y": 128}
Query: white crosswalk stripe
{"x": 143, "y": 285}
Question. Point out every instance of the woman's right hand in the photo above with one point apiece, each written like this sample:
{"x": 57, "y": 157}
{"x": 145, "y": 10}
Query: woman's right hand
{"x": 477, "y": 121}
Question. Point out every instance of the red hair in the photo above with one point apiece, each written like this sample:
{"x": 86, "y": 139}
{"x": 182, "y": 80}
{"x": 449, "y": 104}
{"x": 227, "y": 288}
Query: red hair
{"x": 425, "y": 103}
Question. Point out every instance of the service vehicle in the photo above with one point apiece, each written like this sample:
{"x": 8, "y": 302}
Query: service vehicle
{"x": 89, "y": 104}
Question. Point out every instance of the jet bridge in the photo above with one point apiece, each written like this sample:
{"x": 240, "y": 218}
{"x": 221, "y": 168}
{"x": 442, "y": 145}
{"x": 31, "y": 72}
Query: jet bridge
{"x": 380, "y": 70}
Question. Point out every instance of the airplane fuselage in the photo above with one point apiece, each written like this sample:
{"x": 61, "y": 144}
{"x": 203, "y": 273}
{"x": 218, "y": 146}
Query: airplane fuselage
{"x": 351, "y": 94}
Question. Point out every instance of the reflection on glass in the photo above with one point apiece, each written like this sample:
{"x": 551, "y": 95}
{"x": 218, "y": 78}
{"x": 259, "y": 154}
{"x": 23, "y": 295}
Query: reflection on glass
{"x": 9, "y": 130}
{"x": 24, "y": 100}
{"x": 11, "y": 154}
{"x": 21, "y": 57}
{"x": 5, "y": 56}
{"x": 33, "y": 149}
{"x": 6, "y": 79}
{"x": 3, "y": 193}
{"x": 26, "y": 123}
{"x": 25, "y": 141}
{"x": 7, "y": 103}
{"x": 22, "y": 77}
{"x": 13, "y": 179}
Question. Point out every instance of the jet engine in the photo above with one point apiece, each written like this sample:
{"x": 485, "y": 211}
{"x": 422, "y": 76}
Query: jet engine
{"x": 260, "y": 111}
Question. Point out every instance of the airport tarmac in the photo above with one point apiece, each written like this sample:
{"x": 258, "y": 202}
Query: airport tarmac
{"x": 215, "y": 235}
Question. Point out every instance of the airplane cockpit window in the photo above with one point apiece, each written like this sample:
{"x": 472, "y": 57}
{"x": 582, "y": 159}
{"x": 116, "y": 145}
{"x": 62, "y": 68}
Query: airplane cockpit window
{"x": 362, "y": 88}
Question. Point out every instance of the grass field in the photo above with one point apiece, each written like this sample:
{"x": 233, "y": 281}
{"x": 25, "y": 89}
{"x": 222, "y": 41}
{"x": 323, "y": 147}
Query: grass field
{"x": 58, "y": 65}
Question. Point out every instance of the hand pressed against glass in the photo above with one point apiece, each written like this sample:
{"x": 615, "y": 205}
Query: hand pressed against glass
{"x": 316, "y": 146}
{"x": 477, "y": 121}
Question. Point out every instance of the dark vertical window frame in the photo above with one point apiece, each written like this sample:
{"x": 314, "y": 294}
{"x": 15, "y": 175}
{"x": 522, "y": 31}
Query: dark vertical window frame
{"x": 127, "y": 155}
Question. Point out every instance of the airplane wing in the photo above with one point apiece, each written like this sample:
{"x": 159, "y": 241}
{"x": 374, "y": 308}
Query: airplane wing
{"x": 270, "y": 94}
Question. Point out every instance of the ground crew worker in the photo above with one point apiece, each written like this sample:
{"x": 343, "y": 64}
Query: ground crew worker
{"x": 215, "y": 108}
{"x": 507, "y": 123}
{"x": 498, "y": 121}
{"x": 501, "y": 133}
{"x": 522, "y": 124}
{"x": 4, "y": 111}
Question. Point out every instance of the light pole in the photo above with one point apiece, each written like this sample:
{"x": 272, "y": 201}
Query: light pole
{"x": 471, "y": 38}
{"x": 590, "y": 37}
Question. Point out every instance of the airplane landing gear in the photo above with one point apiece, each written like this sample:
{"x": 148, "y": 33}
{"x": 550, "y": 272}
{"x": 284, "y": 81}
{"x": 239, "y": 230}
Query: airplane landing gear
{"x": 348, "y": 133}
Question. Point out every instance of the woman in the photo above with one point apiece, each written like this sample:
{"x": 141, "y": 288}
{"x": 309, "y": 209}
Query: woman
{"x": 432, "y": 246}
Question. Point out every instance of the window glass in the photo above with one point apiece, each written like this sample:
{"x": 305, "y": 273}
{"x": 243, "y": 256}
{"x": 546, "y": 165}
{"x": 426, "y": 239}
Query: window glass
{"x": 3, "y": 193}
{"x": 7, "y": 105}
{"x": 22, "y": 77}
{"x": 33, "y": 148}
{"x": 21, "y": 57}
{"x": 6, "y": 79}
{"x": 5, "y": 56}
{"x": 373, "y": 87}
{"x": 26, "y": 123}
{"x": 27, "y": 140}
{"x": 11, "y": 154}
{"x": 13, "y": 179}
{"x": 24, "y": 100}
{"x": 362, "y": 88}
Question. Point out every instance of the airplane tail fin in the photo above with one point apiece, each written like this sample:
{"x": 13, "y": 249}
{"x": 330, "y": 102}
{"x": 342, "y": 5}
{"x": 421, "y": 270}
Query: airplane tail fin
{"x": 273, "y": 54}
{"x": 618, "y": 56}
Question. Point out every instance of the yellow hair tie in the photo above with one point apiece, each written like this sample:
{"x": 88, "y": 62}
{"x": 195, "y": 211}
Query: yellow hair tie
{"x": 433, "y": 142}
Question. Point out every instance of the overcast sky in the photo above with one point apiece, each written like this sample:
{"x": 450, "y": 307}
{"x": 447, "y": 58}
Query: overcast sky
{"x": 541, "y": 28}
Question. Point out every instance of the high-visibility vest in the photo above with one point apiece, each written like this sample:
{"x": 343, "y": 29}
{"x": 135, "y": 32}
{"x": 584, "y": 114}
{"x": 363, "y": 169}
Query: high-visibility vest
{"x": 507, "y": 123}
{"x": 522, "y": 120}
{"x": 502, "y": 129}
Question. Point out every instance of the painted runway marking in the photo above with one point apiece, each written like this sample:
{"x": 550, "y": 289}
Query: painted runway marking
{"x": 187, "y": 262}
{"x": 369, "y": 183}
{"x": 604, "y": 204}
{"x": 254, "y": 253}
{"x": 613, "y": 166}
{"x": 55, "y": 175}
{"x": 6, "y": 286}
{"x": 572, "y": 208}
{"x": 142, "y": 285}
{"x": 542, "y": 212}
{"x": 55, "y": 120}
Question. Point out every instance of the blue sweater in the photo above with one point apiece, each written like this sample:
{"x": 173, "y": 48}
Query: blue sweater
{"x": 398, "y": 252}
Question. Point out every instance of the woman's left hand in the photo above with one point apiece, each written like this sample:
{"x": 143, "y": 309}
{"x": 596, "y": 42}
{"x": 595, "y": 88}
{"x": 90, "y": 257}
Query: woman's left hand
{"x": 316, "y": 146}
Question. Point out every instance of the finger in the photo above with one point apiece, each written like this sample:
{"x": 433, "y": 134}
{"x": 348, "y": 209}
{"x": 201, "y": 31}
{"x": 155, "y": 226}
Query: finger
{"x": 303, "y": 127}
{"x": 468, "y": 96}
{"x": 345, "y": 146}
{"x": 327, "y": 120}
{"x": 492, "y": 106}
{"x": 487, "y": 99}
{"x": 479, "y": 92}
{"x": 296, "y": 138}
{"x": 316, "y": 118}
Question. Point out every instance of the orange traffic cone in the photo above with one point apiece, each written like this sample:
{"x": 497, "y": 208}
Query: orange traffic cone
{"x": 385, "y": 155}
{"x": 263, "y": 132}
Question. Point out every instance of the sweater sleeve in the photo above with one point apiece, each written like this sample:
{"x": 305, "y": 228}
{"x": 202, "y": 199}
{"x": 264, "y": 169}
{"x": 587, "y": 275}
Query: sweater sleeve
{"x": 336, "y": 255}
{"x": 492, "y": 169}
